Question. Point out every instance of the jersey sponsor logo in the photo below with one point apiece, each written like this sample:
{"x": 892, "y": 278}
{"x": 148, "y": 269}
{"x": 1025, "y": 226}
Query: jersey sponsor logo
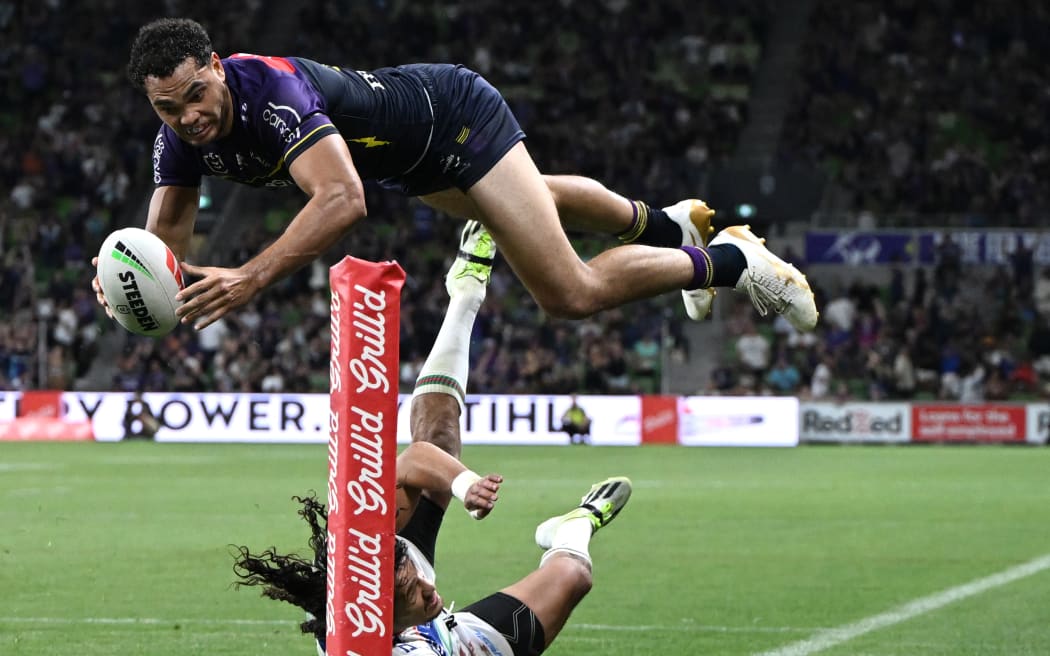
{"x": 278, "y": 118}
{"x": 158, "y": 150}
{"x": 370, "y": 142}
{"x": 371, "y": 80}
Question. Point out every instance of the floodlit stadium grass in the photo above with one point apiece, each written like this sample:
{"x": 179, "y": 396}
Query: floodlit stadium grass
{"x": 123, "y": 548}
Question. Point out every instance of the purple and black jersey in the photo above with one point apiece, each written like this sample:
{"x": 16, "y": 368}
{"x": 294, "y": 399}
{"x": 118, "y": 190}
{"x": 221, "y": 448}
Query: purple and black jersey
{"x": 418, "y": 128}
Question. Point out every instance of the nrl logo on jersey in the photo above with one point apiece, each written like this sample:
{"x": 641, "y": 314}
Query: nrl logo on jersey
{"x": 215, "y": 164}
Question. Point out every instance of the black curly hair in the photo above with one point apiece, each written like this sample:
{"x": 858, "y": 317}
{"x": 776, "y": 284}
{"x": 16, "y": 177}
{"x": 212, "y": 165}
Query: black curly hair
{"x": 162, "y": 45}
{"x": 293, "y": 579}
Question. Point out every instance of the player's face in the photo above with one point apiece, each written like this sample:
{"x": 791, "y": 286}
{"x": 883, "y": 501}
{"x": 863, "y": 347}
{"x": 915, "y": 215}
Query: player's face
{"x": 416, "y": 600}
{"x": 193, "y": 101}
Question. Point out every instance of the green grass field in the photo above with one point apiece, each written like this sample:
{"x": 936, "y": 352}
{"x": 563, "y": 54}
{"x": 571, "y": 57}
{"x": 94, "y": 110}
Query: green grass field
{"x": 123, "y": 548}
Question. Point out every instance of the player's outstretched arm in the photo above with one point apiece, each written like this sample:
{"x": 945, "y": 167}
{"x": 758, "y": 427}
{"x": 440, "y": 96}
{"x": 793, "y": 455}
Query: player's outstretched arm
{"x": 172, "y": 215}
{"x": 326, "y": 173}
{"x": 337, "y": 201}
{"x": 423, "y": 466}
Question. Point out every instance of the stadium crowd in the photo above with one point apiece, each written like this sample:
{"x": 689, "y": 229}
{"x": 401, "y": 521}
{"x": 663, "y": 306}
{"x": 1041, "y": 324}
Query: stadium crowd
{"x": 75, "y": 178}
{"x": 950, "y": 332}
{"x": 77, "y": 137}
{"x": 74, "y": 160}
{"x": 932, "y": 108}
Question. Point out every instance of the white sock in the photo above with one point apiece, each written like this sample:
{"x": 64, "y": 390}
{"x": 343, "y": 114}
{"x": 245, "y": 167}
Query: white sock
{"x": 572, "y": 536}
{"x": 448, "y": 365}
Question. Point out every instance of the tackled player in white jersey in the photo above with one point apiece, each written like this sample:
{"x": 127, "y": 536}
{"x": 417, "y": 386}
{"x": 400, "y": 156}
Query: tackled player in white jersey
{"x": 521, "y": 619}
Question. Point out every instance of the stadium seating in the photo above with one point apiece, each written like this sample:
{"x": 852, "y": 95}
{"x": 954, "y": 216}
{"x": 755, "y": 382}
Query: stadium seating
{"x": 644, "y": 98}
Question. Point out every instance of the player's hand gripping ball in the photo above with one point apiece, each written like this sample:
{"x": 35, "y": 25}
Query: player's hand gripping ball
{"x": 139, "y": 277}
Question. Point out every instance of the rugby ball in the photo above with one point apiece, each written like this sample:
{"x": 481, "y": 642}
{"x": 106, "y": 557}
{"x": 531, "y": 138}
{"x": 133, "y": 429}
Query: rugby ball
{"x": 139, "y": 277}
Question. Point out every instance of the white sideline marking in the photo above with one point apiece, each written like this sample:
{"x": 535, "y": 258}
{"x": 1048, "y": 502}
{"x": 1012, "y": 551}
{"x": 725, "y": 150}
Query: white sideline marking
{"x": 158, "y": 460}
{"x": 57, "y": 490}
{"x": 687, "y": 628}
{"x": 831, "y": 637}
{"x": 26, "y": 466}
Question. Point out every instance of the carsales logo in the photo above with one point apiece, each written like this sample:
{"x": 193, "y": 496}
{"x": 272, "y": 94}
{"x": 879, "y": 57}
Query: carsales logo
{"x": 274, "y": 116}
{"x": 158, "y": 151}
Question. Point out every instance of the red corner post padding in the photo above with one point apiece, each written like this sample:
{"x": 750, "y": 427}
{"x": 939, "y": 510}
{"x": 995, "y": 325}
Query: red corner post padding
{"x": 362, "y": 452}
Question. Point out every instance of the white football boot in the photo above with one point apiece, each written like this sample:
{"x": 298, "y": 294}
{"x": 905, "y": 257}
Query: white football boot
{"x": 772, "y": 283}
{"x": 472, "y": 268}
{"x": 694, "y": 217}
{"x": 600, "y": 505}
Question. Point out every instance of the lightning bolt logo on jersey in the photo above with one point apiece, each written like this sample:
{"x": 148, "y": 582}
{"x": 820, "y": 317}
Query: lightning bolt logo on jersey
{"x": 370, "y": 142}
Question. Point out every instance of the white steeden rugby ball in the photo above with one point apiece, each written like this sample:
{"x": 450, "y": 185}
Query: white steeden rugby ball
{"x": 140, "y": 276}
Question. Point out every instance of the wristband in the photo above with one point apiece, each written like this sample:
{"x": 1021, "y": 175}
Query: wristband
{"x": 462, "y": 482}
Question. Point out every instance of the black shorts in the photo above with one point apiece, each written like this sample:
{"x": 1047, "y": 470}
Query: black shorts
{"x": 514, "y": 620}
{"x": 473, "y": 129}
{"x": 422, "y": 529}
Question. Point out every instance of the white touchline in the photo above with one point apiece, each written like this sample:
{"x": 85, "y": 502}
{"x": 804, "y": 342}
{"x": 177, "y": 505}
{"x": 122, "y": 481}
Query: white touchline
{"x": 685, "y": 628}
{"x": 831, "y": 637}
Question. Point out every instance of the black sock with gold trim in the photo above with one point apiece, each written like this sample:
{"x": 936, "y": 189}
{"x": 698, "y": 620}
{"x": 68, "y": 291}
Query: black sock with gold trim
{"x": 651, "y": 227}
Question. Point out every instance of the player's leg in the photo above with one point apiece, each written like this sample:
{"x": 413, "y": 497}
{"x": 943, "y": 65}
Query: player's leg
{"x": 518, "y": 209}
{"x": 563, "y": 578}
{"x": 517, "y": 205}
{"x": 586, "y": 204}
{"x": 441, "y": 383}
{"x": 438, "y": 395}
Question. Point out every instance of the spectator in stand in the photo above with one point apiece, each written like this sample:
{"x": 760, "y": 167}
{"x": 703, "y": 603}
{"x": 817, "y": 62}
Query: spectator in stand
{"x": 783, "y": 378}
{"x": 1039, "y": 345}
{"x": 1022, "y": 264}
{"x": 820, "y": 383}
{"x": 904, "y": 376}
{"x": 971, "y": 383}
{"x": 645, "y": 362}
{"x": 1041, "y": 292}
{"x": 753, "y": 352}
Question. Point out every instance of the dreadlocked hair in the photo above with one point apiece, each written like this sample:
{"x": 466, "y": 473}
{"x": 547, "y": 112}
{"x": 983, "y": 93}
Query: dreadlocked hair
{"x": 291, "y": 578}
{"x": 162, "y": 45}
